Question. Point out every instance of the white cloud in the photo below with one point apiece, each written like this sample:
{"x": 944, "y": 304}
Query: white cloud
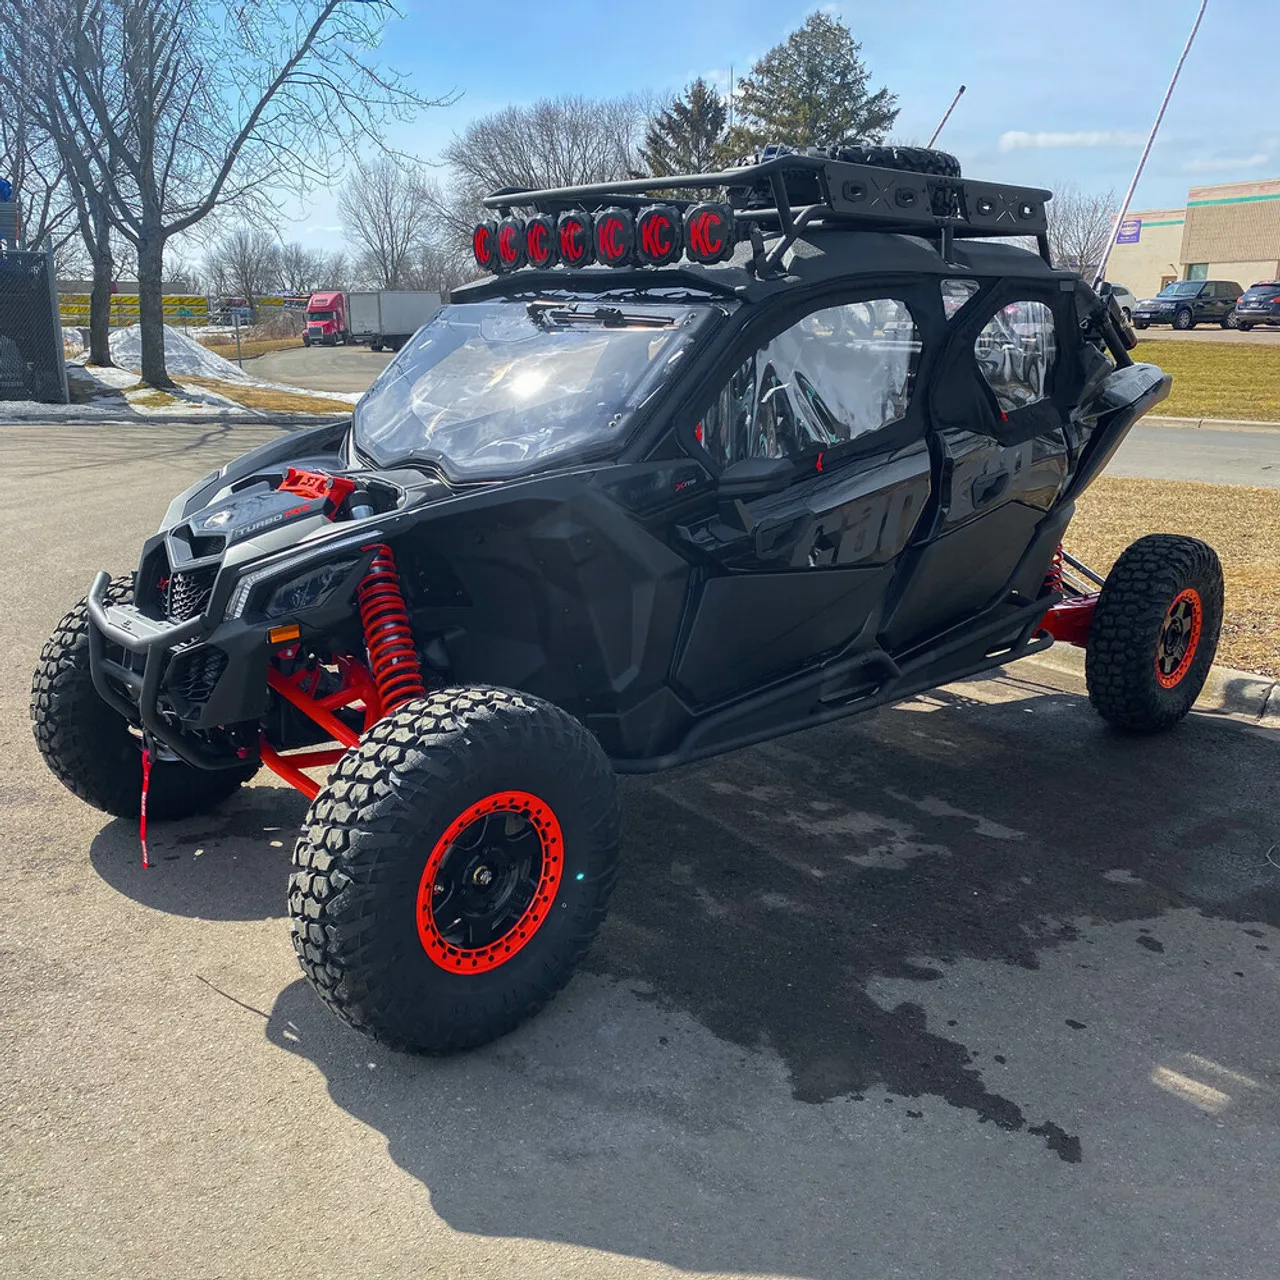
{"x": 1017, "y": 139}
{"x": 1225, "y": 164}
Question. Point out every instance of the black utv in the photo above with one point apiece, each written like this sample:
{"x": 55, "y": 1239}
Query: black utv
{"x": 680, "y": 476}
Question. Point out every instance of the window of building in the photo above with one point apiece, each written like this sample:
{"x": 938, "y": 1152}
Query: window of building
{"x": 1198, "y": 271}
{"x": 1016, "y": 351}
{"x": 834, "y": 376}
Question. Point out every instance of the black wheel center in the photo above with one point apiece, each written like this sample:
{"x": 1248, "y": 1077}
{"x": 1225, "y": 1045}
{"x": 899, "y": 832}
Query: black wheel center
{"x": 487, "y": 880}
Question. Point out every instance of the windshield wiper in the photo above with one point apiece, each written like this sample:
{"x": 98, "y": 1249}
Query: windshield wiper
{"x": 544, "y": 313}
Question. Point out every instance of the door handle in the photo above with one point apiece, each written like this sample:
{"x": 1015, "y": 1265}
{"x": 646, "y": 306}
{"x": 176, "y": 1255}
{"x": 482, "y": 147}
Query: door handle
{"x": 987, "y": 488}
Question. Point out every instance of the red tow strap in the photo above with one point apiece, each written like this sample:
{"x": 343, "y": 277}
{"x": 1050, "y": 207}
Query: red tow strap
{"x": 142, "y": 814}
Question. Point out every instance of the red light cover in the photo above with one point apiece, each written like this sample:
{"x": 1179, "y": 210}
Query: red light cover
{"x": 659, "y": 235}
{"x": 540, "y": 241}
{"x": 510, "y": 244}
{"x": 484, "y": 244}
{"x": 615, "y": 237}
{"x": 708, "y": 232}
{"x": 576, "y": 242}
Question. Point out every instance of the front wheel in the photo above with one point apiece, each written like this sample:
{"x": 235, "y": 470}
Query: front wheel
{"x": 1154, "y": 632}
{"x": 89, "y": 745}
{"x": 1184, "y": 320}
{"x": 455, "y": 868}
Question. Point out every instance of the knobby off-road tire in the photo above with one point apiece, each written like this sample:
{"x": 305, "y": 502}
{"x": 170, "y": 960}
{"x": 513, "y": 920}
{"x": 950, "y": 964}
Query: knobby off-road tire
{"x": 391, "y": 835}
{"x": 1154, "y": 632}
{"x": 88, "y": 745}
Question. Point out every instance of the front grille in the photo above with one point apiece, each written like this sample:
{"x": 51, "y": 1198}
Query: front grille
{"x": 197, "y": 675}
{"x": 188, "y": 593}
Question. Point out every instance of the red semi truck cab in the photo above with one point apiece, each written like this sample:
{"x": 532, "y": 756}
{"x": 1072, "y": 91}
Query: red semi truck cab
{"x": 326, "y": 321}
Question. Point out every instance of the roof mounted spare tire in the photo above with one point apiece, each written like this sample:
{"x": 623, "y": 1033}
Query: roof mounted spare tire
{"x": 802, "y": 186}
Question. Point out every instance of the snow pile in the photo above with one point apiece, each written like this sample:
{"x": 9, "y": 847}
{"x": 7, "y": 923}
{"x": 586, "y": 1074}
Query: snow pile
{"x": 183, "y": 356}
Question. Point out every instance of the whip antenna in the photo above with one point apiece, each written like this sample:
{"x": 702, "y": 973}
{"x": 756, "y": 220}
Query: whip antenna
{"x": 946, "y": 116}
{"x": 1146, "y": 151}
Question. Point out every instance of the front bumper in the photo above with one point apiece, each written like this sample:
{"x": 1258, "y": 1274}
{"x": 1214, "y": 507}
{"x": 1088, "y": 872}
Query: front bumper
{"x": 1154, "y": 317}
{"x": 137, "y": 685}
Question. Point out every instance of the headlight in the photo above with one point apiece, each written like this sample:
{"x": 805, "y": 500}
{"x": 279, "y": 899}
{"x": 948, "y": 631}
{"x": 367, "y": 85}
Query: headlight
{"x": 308, "y": 589}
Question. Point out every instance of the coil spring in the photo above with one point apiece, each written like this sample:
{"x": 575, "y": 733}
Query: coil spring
{"x": 1053, "y": 579}
{"x": 388, "y": 635}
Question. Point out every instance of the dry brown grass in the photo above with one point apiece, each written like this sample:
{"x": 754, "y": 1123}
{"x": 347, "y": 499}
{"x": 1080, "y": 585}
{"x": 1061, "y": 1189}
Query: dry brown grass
{"x": 270, "y": 398}
{"x": 1218, "y": 379}
{"x": 1243, "y": 526}
{"x": 248, "y": 346}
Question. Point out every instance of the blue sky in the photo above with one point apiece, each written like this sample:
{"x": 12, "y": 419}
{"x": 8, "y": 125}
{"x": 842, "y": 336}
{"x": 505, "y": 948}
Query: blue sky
{"x": 1058, "y": 90}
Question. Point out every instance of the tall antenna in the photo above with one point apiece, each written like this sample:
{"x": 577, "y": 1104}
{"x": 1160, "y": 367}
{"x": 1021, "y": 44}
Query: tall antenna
{"x": 1146, "y": 151}
{"x": 946, "y": 116}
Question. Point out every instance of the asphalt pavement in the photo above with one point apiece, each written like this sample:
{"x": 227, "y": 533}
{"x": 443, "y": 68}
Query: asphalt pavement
{"x": 322, "y": 368}
{"x": 970, "y": 987}
{"x": 1211, "y": 455}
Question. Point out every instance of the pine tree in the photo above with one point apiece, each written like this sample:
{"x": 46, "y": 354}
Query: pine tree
{"x": 812, "y": 89}
{"x": 689, "y": 136}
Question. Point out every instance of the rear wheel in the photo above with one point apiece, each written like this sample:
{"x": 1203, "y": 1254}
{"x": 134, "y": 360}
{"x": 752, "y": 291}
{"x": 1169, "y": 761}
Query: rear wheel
{"x": 1230, "y": 321}
{"x": 455, "y": 868}
{"x": 1154, "y": 632}
{"x": 1184, "y": 320}
{"x": 1141, "y": 324}
{"x": 1243, "y": 326}
{"x": 89, "y": 745}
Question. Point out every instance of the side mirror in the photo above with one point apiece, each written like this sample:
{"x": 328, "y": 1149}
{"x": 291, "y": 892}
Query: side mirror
{"x": 754, "y": 477}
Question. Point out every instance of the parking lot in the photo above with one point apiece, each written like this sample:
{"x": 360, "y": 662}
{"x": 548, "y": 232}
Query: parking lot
{"x": 968, "y": 987}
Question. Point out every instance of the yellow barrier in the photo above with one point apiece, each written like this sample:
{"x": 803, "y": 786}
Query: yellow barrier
{"x": 189, "y": 308}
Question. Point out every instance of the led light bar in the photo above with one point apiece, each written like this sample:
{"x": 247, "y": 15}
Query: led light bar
{"x": 615, "y": 237}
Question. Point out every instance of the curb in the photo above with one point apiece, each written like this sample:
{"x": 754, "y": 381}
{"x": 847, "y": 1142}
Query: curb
{"x": 1207, "y": 424}
{"x": 1243, "y": 695}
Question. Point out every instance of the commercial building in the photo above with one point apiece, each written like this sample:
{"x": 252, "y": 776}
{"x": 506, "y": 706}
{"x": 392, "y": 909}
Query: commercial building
{"x": 1226, "y": 232}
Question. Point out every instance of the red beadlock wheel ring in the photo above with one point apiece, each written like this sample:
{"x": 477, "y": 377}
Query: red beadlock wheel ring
{"x": 1185, "y": 616}
{"x": 542, "y": 819}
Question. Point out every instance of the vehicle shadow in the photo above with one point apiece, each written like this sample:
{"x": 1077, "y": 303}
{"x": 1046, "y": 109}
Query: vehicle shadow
{"x": 732, "y": 989}
{"x": 229, "y": 864}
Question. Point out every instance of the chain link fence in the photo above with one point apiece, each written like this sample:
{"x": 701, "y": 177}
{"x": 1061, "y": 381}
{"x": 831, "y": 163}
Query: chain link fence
{"x": 32, "y": 365}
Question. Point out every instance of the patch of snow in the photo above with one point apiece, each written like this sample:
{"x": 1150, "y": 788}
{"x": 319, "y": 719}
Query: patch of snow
{"x": 182, "y": 355}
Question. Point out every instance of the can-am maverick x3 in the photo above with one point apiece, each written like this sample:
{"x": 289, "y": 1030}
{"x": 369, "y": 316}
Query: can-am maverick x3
{"x": 680, "y": 476}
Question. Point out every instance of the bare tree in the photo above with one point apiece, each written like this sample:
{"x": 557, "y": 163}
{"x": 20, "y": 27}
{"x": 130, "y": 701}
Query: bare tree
{"x": 143, "y": 85}
{"x": 300, "y": 270}
{"x": 244, "y": 263}
{"x": 386, "y": 213}
{"x": 55, "y": 179}
{"x": 1080, "y": 224}
{"x": 337, "y": 272}
{"x": 556, "y": 142}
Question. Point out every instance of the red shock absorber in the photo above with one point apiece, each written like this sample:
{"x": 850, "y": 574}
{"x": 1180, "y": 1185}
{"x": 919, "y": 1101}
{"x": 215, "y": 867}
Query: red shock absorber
{"x": 388, "y": 635}
{"x": 1053, "y": 579}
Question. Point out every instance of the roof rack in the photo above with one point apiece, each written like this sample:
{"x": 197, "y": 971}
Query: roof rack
{"x": 789, "y": 192}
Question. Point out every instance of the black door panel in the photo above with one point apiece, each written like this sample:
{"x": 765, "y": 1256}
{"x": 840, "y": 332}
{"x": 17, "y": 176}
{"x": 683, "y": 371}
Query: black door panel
{"x": 749, "y": 627}
{"x": 806, "y": 569}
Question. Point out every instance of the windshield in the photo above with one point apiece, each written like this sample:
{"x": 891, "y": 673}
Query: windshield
{"x": 1182, "y": 289}
{"x": 490, "y": 389}
{"x": 319, "y": 315}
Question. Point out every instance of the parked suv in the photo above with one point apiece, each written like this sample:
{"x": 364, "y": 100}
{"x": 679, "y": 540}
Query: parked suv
{"x": 1259, "y": 305}
{"x": 1185, "y": 303}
